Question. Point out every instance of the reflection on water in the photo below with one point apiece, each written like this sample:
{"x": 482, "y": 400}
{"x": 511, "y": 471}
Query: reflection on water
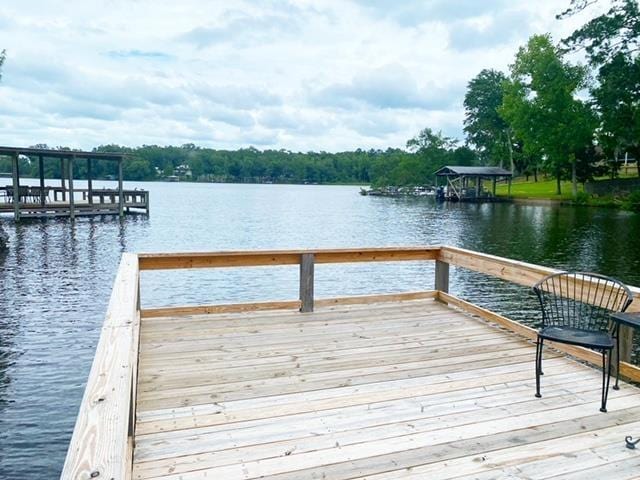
{"x": 57, "y": 276}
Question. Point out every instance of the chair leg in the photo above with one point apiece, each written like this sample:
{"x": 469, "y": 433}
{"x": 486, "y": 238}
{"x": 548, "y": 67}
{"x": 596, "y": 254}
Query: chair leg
{"x": 538, "y": 365}
{"x": 616, "y": 386}
{"x": 606, "y": 377}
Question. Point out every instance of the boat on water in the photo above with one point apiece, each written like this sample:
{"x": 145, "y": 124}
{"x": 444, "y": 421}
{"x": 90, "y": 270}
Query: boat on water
{"x": 390, "y": 191}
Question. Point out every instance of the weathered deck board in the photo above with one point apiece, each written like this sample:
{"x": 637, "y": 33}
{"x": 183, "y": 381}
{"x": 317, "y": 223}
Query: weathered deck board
{"x": 374, "y": 391}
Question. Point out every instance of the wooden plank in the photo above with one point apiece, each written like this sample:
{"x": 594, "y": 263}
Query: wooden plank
{"x": 236, "y": 352}
{"x": 172, "y": 419}
{"x": 226, "y": 412}
{"x": 521, "y": 461}
{"x": 157, "y": 261}
{"x": 295, "y": 359}
{"x": 274, "y": 339}
{"x": 277, "y": 319}
{"x": 214, "y": 309}
{"x": 352, "y": 461}
{"x": 100, "y": 443}
{"x": 343, "y": 309}
{"x": 627, "y": 370}
{"x": 373, "y": 323}
{"x": 311, "y": 432}
{"x": 157, "y": 380}
{"x": 231, "y": 388}
{"x": 381, "y": 298}
{"x": 408, "y": 408}
{"x": 245, "y": 356}
{"x": 306, "y": 282}
{"x": 204, "y": 394}
{"x": 212, "y": 333}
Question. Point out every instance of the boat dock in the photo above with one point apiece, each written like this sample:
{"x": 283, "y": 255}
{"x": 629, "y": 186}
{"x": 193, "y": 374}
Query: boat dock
{"x": 66, "y": 201}
{"x": 466, "y": 184}
{"x": 410, "y": 385}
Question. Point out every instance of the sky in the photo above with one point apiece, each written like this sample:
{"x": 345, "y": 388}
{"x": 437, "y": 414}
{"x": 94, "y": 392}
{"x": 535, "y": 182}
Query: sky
{"x": 303, "y": 75}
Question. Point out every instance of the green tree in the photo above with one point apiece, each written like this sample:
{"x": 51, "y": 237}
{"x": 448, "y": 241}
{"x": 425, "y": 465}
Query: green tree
{"x": 429, "y": 141}
{"x": 464, "y": 156}
{"x": 540, "y": 105}
{"x": 3, "y": 57}
{"x": 484, "y": 126}
{"x": 607, "y": 35}
{"x": 617, "y": 100}
{"x": 431, "y": 150}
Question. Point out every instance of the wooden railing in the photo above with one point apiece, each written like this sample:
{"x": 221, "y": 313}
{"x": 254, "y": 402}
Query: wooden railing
{"x": 306, "y": 259}
{"x": 102, "y": 442}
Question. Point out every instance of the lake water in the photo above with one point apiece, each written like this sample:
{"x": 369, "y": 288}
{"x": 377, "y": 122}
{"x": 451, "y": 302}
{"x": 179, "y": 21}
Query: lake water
{"x": 57, "y": 276}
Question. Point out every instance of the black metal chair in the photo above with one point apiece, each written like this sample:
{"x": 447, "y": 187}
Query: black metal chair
{"x": 575, "y": 311}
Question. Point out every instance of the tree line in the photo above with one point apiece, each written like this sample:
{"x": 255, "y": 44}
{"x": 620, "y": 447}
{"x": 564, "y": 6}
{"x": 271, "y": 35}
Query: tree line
{"x": 545, "y": 115}
{"x": 393, "y": 166}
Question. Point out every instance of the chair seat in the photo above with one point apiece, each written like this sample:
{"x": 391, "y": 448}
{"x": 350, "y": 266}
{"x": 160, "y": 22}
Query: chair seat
{"x": 577, "y": 336}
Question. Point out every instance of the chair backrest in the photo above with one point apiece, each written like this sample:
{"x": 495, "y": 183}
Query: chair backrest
{"x": 581, "y": 300}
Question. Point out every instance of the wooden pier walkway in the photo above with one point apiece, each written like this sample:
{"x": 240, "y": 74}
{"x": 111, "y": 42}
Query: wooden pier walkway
{"x": 402, "y": 386}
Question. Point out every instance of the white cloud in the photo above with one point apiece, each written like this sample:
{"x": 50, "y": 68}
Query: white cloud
{"x": 305, "y": 75}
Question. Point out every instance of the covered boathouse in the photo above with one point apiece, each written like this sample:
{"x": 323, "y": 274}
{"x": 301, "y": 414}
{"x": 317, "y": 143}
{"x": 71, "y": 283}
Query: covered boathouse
{"x": 65, "y": 200}
{"x": 466, "y": 184}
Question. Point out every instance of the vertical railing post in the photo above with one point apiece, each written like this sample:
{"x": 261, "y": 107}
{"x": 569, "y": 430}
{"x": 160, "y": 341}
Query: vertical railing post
{"x": 64, "y": 193}
{"x": 15, "y": 175}
{"x": 307, "y": 261}
{"x": 626, "y": 343}
{"x": 442, "y": 276}
{"x": 120, "y": 189}
{"x": 42, "y": 187}
{"x": 72, "y": 206}
{"x": 90, "y": 180}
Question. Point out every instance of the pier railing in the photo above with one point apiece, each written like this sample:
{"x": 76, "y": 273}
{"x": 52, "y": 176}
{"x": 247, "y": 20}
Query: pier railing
{"x": 102, "y": 442}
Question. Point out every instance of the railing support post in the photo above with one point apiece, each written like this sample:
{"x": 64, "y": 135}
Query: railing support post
{"x": 120, "y": 189}
{"x": 626, "y": 344}
{"x": 72, "y": 207}
{"x": 442, "y": 276}
{"x": 15, "y": 174}
{"x": 307, "y": 261}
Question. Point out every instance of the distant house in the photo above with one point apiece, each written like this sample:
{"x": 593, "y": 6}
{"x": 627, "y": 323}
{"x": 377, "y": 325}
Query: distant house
{"x": 182, "y": 171}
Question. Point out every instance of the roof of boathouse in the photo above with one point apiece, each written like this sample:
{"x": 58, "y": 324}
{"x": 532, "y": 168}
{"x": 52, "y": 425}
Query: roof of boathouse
{"x": 50, "y": 153}
{"x": 473, "y": 171}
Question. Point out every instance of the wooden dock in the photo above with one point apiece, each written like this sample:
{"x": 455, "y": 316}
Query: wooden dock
{"x": 42, "y": 201}
{"x": 399, "y": 386}
{"x": 104, "y": 202}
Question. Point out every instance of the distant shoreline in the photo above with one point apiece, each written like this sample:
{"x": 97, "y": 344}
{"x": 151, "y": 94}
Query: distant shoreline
{"x": 200, "y": 182}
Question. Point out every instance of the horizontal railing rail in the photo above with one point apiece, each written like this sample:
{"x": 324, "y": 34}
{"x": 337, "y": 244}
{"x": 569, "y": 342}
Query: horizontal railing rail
{"x": 102, "y": 442}
{"x": 166, "y": 261}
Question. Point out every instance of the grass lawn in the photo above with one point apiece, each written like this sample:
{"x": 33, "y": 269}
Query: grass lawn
{"x": 541, "y": 189}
